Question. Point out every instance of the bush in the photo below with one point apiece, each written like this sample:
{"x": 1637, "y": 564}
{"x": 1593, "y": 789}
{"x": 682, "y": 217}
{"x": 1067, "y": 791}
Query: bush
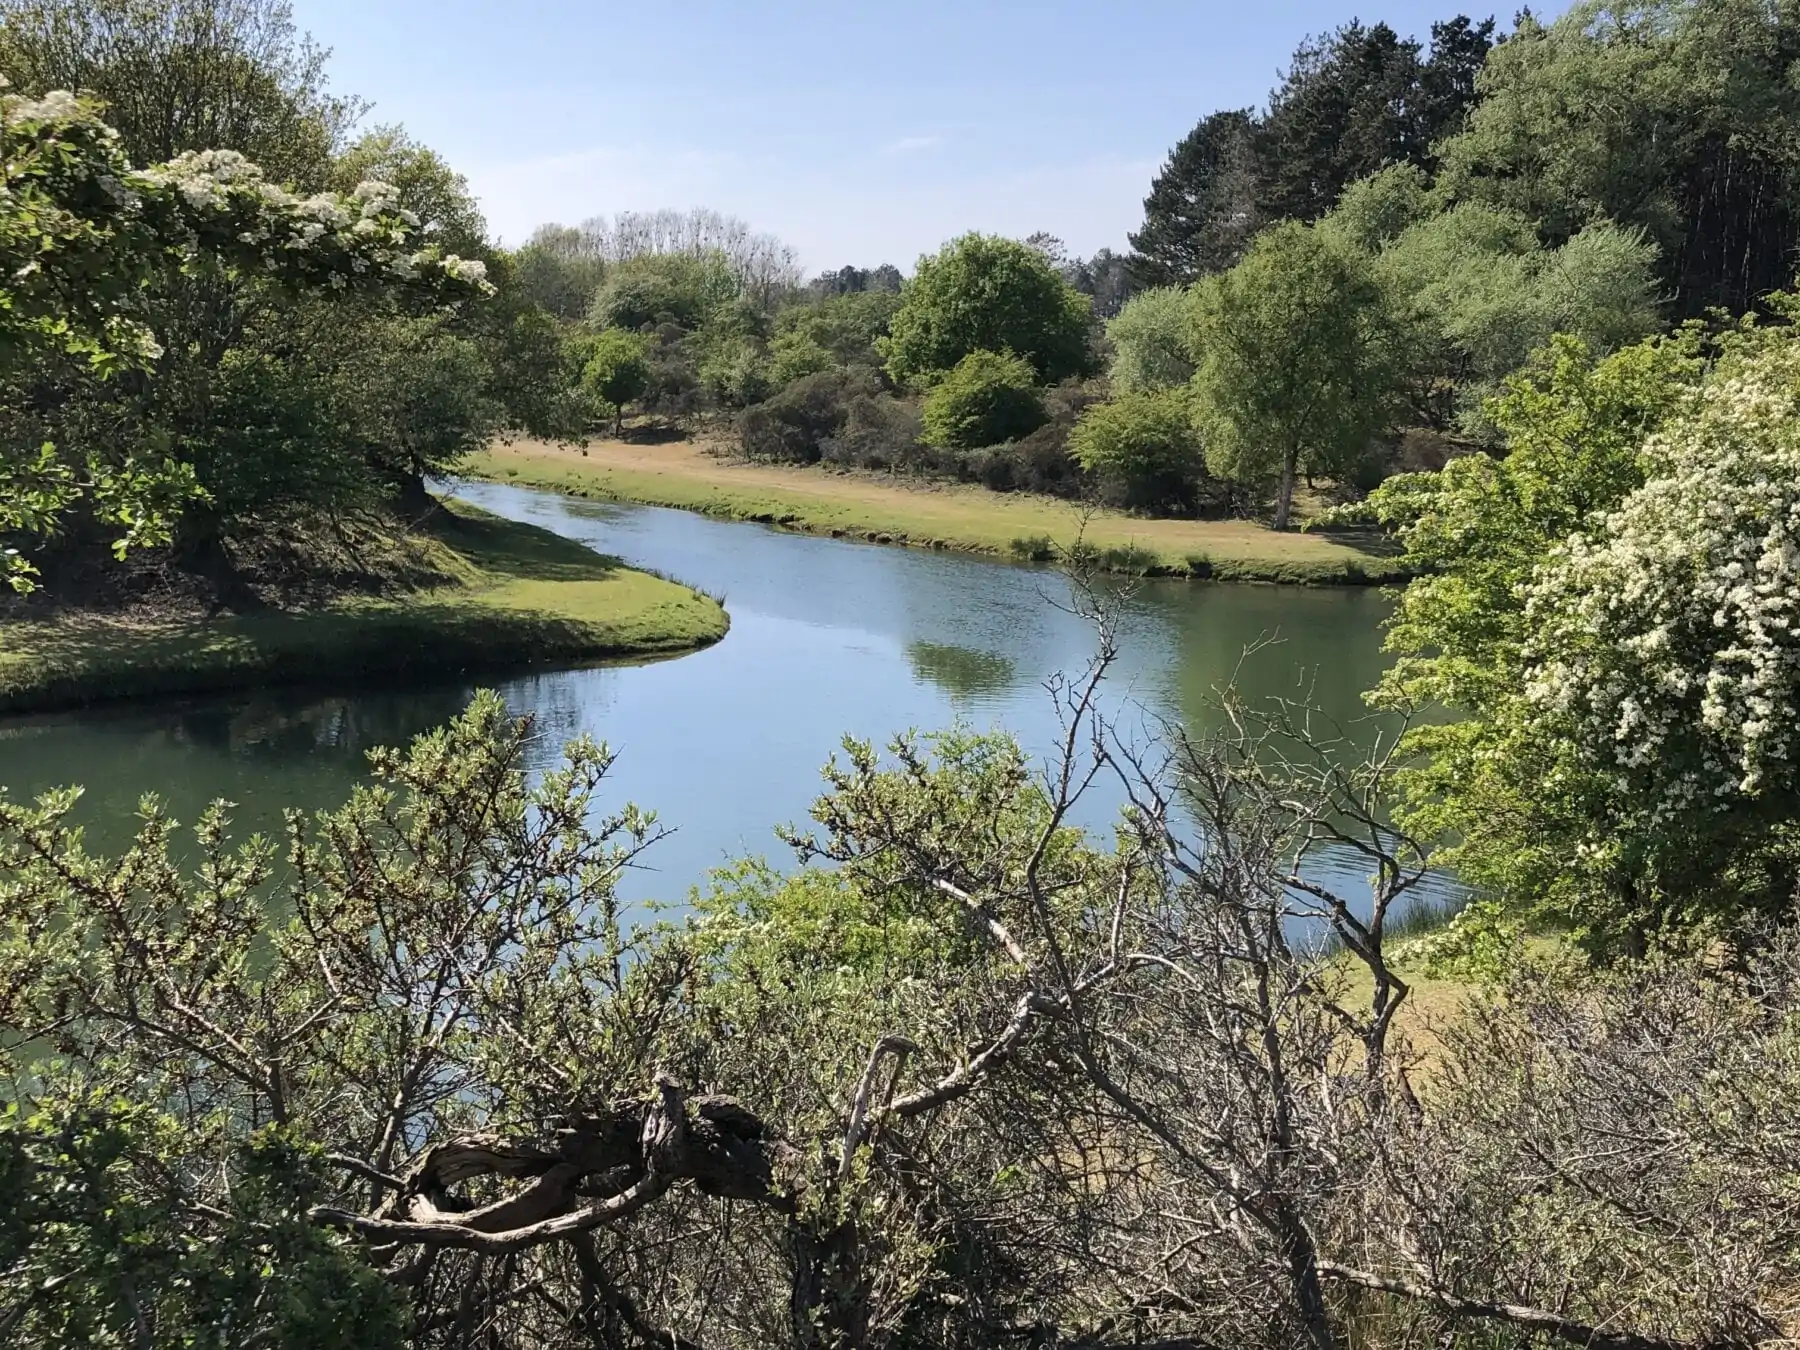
{"x": 879, "y": 432}
{"x": 990, "y": 397}
{"x": 795, "y": 424}
{"x": 1143, "y": 449}
{"x": 1033, "y": 548}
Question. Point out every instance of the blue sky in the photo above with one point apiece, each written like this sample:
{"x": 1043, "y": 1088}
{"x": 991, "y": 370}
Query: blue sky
{"x": 859, "y": 133}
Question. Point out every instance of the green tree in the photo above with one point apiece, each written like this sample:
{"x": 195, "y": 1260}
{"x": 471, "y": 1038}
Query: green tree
{"x": 1152, "y": 341}
{"x": 652, "y": 288}
{"x": 846, "y": 327}
{"x": 187, "y": 75}
{"x": 990, "y": 397}
{"x": 423, "y": 183}
{"x": 1480, "y": 293}
{"x": 559, "y": 271}
{"x": 81, "y": 236}
{"x": 1201, "y": 212}
{"x": 983, "y": 293}
{"x": 1299, "y": 365}
{"x": 1671, "y": 117}
{"x": 1476, "y": 534}
{"x": 1143, "y": 448}
{"x": 1357, "y": 101}
{"x": 617, "y": 372}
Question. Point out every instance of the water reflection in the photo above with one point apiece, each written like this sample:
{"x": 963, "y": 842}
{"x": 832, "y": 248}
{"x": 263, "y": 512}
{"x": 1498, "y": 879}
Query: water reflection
{"x": 969, "y": 676}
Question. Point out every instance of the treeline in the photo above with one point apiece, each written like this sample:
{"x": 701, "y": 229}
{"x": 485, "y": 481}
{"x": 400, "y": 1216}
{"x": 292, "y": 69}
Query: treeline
{"x": 1330, "y": 289}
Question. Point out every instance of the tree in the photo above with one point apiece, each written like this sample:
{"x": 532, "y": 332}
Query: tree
{"x": 1358, "y": 101}
{"x": 1201, "y": 212}
{"x": 1298, "y": 363}
{"x": 651, "y": 288}
{"x": 559, "y": 272}
{"x": 1105, "y": 279}
{"x": 83, "y": 233}
{"x": 1673, "y": 118}
{"x": 982, "y": 293}
{"x": 617, "y": 372}
{"x": 187, "y": 75}
{"x": 424, "y": 184}
{"x": 1481, "y": 293}
{"x": 989, "y": 398}
{"x": 1152, "y": 341}
{"x": 1143, "y": 448}
{"x": 1352, "y": 103}
{"x": 1501, "y": 779}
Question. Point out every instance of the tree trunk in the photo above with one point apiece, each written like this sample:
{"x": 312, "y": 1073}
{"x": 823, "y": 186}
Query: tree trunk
{"x": 1284, "y": 501}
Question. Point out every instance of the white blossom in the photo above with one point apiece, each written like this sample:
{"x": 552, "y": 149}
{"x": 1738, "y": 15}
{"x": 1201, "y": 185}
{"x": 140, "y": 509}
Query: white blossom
{"x": 1670, "y": 640}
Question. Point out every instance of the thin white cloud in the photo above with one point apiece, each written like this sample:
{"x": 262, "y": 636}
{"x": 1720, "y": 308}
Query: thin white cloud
{"x": 911, "y": 145}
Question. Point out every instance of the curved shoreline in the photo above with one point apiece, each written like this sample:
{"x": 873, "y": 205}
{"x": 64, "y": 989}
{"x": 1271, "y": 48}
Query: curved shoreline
{"x": 956, "y": 517}
{"x": 541, "y": 600}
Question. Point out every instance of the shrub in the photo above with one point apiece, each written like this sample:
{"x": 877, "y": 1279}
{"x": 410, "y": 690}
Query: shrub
{"x": 879, "y": 432}
{"x": 1033, "y": 548}
{"x": 990, "y": 397}
{"x": 794, "y": 425}
{"x": 1143, "y": 449}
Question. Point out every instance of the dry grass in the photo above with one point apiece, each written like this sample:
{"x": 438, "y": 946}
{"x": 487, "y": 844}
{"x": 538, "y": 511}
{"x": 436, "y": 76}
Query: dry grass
{"x": 926, "y": 515}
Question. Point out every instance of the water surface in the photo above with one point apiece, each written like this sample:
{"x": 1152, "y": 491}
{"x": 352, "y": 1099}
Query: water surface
{"x": 828, "y": 638}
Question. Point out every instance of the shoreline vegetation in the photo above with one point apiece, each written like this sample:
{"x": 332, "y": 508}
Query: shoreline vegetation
{"x": 511, "y": 596}
{"x": 866, "y": 507}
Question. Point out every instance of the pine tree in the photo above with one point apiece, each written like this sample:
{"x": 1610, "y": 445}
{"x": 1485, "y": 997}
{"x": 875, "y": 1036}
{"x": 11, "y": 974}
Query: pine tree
{"x": 1201, "y": 211}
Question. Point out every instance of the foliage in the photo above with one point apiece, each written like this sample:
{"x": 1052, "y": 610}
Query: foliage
{"x": 988, "y": 398}
{"x": 482, "y": 1120}
{"x": 795, "y": 424}
{"x": 982, "y": 293}
{"x": 617, "y": 370}
{"x": 1152, "y": 341}
{"x": 1299, "y": 366}
{"x": 1480, "y": 294}
{"x": 1669, "y": 117}
{"x": 1353, "y": 103}
{"x": 1143, "y": 448}
{"x": 558, "y": 272}
{"x": 1201, "y": 211}
{"x": 1543, "y": 821}
{"x": 1359, "y": 100}
{"x": 449, "y": 216}
{"x": 85, "y": 234}
{"x": 176, "y": 76}
{"x": 835, "y": 330}
{"x": 652, "y": 288}
{"x": 98, "y": 1254}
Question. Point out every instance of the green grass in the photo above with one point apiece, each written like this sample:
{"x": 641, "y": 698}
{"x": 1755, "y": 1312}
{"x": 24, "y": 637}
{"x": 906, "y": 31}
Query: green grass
{"x": 970, "y": 519}
{"x": 521, "y": 596}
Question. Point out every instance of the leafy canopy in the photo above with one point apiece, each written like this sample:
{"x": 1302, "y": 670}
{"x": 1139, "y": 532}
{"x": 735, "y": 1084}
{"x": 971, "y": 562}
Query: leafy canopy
{"x": 989, "y": 398}
{"x": 983, "y": 293}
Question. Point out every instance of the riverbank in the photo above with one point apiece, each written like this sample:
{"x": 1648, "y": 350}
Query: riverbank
{"x": 928, "y": 515}
{"x": 515, "y": 596}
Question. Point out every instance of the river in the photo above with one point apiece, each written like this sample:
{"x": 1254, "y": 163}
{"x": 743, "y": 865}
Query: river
{"x": 828, "y": 638}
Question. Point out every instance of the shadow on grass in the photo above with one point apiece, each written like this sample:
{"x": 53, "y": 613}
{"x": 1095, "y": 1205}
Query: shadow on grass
{"x": 520, "y": 552}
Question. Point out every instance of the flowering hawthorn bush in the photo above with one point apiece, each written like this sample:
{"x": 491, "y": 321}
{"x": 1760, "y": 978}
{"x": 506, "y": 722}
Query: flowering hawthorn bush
{"x": 82, "y": 235}
{"x": 1667, "y": 642}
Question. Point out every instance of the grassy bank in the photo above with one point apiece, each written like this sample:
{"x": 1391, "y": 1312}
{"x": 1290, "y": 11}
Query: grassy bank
{"x": 512, "y": 596}
{"x": 955, "y": 516}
